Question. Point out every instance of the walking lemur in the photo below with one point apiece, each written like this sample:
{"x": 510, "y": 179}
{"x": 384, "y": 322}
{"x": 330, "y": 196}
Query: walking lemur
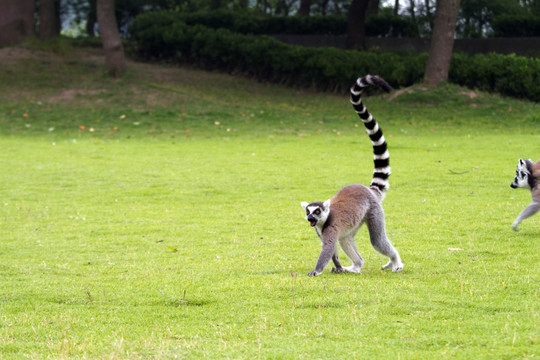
{"x": 528, "y": 177}
{"x": 338, "y": 219}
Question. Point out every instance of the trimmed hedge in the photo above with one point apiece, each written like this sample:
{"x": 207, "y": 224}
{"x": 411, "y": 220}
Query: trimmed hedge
{"x": 163, "y": 36}
{"x": 380, "y": 25}
{"x": 259, "y": 24}
{"x": 510, "y": 75}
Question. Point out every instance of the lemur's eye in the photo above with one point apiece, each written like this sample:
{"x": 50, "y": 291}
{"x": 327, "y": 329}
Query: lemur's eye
{"x": 307, "y": 212}
{"x": 317, "y": 212}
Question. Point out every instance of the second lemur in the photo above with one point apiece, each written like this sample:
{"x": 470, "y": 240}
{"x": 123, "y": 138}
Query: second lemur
{"x": 527, "y": 177}
{"x": 338, "y": 219}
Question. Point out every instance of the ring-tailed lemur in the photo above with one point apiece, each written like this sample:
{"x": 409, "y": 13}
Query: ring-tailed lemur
{"x": 528, "y": 177}
{"x": 339, "y": 218}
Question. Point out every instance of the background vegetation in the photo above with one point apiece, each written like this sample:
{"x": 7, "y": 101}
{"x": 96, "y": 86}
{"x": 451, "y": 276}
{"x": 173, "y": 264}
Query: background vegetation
{"x": 164, "y": 35}
{"x": 158, "y": 215}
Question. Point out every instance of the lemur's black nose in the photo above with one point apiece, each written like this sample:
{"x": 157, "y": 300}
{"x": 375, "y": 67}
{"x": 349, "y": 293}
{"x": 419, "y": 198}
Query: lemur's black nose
{"x": 513, "y": 186}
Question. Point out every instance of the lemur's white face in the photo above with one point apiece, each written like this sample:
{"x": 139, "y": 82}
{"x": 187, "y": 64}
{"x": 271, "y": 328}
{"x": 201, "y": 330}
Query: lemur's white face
{"x": 521, "y": 180}
{"x": 316, "y": 212}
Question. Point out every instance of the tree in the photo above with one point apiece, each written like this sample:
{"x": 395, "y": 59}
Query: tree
{"x": 49, "y": 19}
{"x": 477, "y": 15}
{"x": 305, "y": 7}
{"x": 283, "y": 7}
{"x": 373, "y": 7}
{"x": 110, "y": 37}
{"x": 16, "y": 20}
{"x": 442, "y": 42}
{"x": 428, "y": 8}
{"x": 412, "y": 12}
{"x": 241, "y": 4}
{"x": 356, "y": 23}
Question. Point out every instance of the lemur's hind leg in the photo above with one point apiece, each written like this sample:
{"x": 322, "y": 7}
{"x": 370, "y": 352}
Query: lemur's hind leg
{"x": 349, "y": 247}
{"x": 377, "y": 235}
{"x": 529, "y": 211}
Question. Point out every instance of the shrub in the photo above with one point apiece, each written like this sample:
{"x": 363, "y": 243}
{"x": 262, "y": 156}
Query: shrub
{"x": 247, "y": 22}
{"x": 505, "y": 74}
{"x": 254, "y": 23}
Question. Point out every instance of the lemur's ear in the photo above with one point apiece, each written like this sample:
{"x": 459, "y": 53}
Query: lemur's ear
{"x": 525, "y": 165}
{"x": 304, "y": 204}
{"x": 327, "y": 204}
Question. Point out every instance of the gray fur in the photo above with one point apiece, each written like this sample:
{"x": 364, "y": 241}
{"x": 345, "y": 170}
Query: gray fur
{"x": 527, "y": 177}
{"x": 338, "y": 220}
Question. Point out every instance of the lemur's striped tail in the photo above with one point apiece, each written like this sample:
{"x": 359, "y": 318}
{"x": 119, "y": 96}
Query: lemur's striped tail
{"x": 381, "y": 157}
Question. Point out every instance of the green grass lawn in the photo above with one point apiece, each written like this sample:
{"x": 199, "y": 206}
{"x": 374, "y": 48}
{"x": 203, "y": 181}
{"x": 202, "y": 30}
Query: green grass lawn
{"x": 158, "y": 216}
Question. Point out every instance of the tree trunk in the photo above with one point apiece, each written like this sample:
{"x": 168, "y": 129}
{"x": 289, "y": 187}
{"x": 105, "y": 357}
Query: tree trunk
{"x": 356, "y": 24}
{"x": 373, "y": 7}
{"x": 16, "y": 20}
{"x": 281, "y": 8}
{"x": 412, "y": 11}
{"x": 324, "y": 6}
{"x": 305, "y": 6}
{"x": 241, "y": 4}
{"x": 442, "y": 42}
{"x": 215, "y": 4}
{"x": 112, "y": 44}
{"x": 49, "y": 19}
{"x": 396, "y": 8}
{"x": 91, "y": 18}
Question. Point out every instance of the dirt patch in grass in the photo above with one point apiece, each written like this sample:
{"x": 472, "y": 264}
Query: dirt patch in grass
{"x": 12, "y": 55}
{"x": 470, "y": 93}
{"x": 71, "y": 94}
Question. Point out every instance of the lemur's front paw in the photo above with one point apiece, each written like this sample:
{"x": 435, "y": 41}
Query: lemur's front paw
{"x": 338, "y": 270}
{"x": 314, "y": 273}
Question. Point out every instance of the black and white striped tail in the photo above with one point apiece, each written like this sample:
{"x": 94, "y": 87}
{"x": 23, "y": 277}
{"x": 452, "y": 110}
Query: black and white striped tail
{"x": 381, "y": 157}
